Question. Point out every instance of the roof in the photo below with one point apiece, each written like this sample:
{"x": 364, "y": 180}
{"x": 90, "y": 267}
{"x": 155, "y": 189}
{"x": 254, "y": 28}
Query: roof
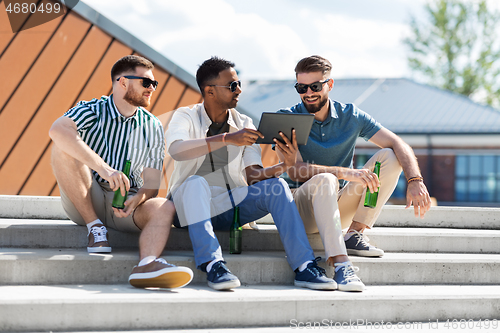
{"x": 401, "y": 105}
{"x": 47, "y": 69}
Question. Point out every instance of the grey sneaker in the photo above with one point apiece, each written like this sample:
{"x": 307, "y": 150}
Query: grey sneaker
{"x": 346, "y": 278}
{"x": 357, "y": 245}
{"x": 98, "y": 241}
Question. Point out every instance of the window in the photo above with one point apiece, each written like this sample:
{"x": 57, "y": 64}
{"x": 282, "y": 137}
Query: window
{"x": 477, "y": 178}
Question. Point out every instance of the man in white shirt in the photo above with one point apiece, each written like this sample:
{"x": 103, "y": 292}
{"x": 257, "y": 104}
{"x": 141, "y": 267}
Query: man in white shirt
{"x": 218, "y": 165}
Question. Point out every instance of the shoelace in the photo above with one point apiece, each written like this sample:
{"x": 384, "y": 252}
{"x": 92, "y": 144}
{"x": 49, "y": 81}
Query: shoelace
{"x": 349, "y": 271}
{"x": 163, "y": 261}
{"x": 221, "y": 268}
{"x": 363, "y": 239}
{"x": 316, "y": 267}
{"x": 99, "y": 234}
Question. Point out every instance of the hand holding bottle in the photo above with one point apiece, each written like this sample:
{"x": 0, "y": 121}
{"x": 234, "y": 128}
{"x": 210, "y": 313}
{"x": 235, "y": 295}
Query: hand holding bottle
{"x": 124, "y": 186}
{"x": 371, "y": 197}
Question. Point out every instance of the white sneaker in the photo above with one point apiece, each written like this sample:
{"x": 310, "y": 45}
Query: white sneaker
{"x": 346, "y": 278}
{"x": 98, "y": 241}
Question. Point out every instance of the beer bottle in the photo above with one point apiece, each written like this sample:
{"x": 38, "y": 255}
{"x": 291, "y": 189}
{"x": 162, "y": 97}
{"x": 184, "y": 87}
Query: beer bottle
{"x": 235, "y": 233}
{"x": 371, "y": 198}
{"x": 119, "y": 199}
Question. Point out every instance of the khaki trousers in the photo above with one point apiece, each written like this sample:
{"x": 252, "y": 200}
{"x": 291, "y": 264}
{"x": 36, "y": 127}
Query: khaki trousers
{"x": 327, "y": 210}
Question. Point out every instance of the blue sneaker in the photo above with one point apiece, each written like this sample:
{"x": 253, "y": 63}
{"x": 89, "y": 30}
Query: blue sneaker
{"x": 357, "y": 245}
{"x": 346, "y": 278}
{"x": 314, "y": 277}
{"x": 221, "y": 278}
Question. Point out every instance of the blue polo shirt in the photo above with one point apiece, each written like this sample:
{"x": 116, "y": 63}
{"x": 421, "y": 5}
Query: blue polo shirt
{"x": 331, "y": 142}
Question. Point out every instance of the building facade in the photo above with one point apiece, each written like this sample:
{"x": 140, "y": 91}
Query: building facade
{"x": 456, "y": 141}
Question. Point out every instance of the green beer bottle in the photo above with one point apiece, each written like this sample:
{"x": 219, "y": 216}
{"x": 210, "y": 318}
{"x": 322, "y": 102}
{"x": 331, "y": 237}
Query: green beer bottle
{"x": 235, "y": 233}
{"x": 119, "y": 199}
{"x": 371, "y": 198}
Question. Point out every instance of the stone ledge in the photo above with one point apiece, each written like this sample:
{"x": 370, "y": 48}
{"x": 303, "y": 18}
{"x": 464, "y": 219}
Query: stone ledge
{"x": 40, "y": 207}
{"x": 122, "y": 307}
{"x": 31, "y": 207}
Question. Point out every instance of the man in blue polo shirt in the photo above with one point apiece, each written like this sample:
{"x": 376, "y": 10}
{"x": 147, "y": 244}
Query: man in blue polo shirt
{"x": 329, "y": 193}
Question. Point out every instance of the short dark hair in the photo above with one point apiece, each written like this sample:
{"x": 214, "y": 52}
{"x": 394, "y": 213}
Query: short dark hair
{"x": 313, "y": 63}
{"x": 209, "y": 70}
{"x": 129, "y": 63}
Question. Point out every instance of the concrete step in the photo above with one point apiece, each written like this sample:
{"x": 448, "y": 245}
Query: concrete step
{"x": 66, "y": 234}
{"x": 437, "y": 217}
{"x": 122, "y": 307}
{"x": 40, "y": 207}
{"x": 434, "y": 240}
{"x": 405, "y": 327}
{"x": 75, "y": 266}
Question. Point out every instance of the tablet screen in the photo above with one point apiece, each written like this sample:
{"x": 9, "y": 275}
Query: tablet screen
{"x": 272, "y": 123}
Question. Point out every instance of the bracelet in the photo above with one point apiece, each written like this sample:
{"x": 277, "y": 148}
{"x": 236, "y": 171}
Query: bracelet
{"x": 415, "y": 179}
{"x": 224, "y": 137}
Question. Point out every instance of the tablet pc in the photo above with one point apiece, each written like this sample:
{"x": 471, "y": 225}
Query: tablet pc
{"x": 272, "y": 123}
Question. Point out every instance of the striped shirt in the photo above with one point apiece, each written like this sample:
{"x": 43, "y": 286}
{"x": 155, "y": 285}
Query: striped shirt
{"x": 139, "y": 138}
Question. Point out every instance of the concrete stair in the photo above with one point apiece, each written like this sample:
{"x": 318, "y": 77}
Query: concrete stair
{"x": 446, "y": 266}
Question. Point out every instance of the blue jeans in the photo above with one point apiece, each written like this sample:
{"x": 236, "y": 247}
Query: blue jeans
{"x": 204, "y": 209}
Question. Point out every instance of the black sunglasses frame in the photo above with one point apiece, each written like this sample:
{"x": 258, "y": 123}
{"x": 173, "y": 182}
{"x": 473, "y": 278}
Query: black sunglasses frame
{"x": 146, "y": 81}
{"x": 232, "y": 86}
{"x": 315, "y": 86}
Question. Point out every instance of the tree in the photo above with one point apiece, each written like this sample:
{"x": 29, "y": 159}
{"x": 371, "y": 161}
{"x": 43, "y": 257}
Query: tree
{"x": 457, "y": 48}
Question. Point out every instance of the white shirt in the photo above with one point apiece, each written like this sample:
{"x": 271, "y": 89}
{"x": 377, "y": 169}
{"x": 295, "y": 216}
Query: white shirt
{"x": 192, "y": 123}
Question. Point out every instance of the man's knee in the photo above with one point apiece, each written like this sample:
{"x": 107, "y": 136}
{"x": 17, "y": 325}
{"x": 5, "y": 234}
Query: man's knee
{"x": 197, "y": 181}
{"x": 57, "y": 155}
{"x": 324, "y": 183}
{"x": 193, "y": 185}
{"x": 159, "y": 210}
{"x": 388, "y": 156}
{"x": 280, "y": 186}
{"x": 164, "y": 206}
{"x": 326, "y": 177}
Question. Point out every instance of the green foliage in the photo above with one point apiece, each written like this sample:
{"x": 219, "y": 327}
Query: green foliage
{"x": 457, "y": 48}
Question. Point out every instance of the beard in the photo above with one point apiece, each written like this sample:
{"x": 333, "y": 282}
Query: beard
{"x": 315, "y": 108}
{"x": 136, "y": 99}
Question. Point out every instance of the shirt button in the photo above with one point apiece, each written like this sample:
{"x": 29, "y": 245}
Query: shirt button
{"x": 323, "y": 134}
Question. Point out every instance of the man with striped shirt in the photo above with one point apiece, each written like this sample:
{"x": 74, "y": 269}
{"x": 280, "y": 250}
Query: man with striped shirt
{"x": 92, "y": 141}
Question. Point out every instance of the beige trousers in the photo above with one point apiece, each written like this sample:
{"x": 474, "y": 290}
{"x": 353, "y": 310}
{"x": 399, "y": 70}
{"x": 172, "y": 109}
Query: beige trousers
{"x": 327, "y": 210}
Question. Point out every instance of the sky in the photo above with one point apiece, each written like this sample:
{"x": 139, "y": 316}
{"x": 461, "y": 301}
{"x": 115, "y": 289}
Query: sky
{"x": 266, "y": 38}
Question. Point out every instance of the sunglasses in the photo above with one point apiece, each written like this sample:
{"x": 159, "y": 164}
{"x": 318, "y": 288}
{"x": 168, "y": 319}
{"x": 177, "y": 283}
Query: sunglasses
{"x": 232, "y": 86}
{"x": 315, "y": 87}
{"x": 146, "y": 82}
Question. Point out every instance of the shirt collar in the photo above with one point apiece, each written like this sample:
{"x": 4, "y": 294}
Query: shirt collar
{"x": 206, "y": 121}
{"x": 333, "y": 110}
{"x": 116, "y": 114}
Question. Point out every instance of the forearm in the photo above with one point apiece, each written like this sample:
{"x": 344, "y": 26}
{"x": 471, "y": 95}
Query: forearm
{"x": 190, "y": 149}
{"x": 303, "y": 171}
{"x": 405, "y": 155}
{"x": 255, "y": 174}
{"x": 407, "y": 159}
{"x": 65, "y": 136}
